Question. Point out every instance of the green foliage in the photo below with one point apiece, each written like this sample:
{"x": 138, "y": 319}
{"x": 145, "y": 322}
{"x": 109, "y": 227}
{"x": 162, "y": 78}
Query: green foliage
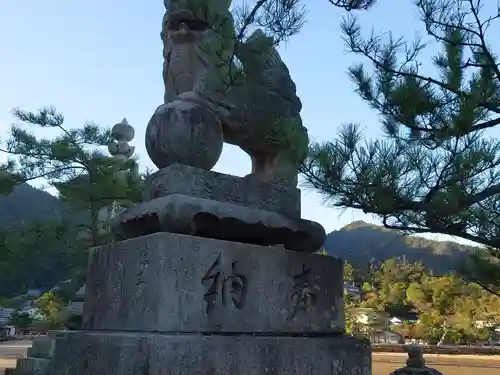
{"x": 353, "y": 4}
{"x": 20, "y": 320}
{"x": 322, "y": 252}
{"x": 437, "y": 170}
{"x": 349, "y": 273}
{"x": 277, "y": 19}
{"x": 483, "y": 267}
{"x": 447, "y": 307}
{"x": 51, "y": 307}
{"x": 38, "y": 255}
{"x": 7, "y": 178}
{"x": 352, "y": 326}
{"x": 73, "y": 162}
{"x": 287, "y": 134}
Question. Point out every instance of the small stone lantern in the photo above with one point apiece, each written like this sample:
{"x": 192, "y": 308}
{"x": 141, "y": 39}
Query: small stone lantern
{"x": 415, "y": 364}
{"x": 123, "y": 134}
{"x": 120, "y": 150}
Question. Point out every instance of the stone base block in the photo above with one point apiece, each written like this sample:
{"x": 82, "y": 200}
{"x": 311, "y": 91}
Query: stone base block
{"x": 42, "y": 347}
{"x": 181, "y": 179}
{"x": 202, "y": 217}
{"x": 33, "y": 366}
{"x": 98, "y": 353}
{"x": 176, "y": 283}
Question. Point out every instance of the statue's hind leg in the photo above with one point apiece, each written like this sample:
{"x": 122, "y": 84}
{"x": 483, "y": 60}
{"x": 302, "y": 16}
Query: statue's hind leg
{"x": 272, "y": 166}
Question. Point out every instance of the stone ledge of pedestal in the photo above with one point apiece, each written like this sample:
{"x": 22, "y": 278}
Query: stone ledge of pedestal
{"x": 57, "y": 334}
{"x": 100, "y": 353}
{"x": 183, "y": 214}
{"x": 196, "y": 182}
{"x": 176, "y": 283}
{"x": 42, "y": 347}
{"x": 33, "y": 366}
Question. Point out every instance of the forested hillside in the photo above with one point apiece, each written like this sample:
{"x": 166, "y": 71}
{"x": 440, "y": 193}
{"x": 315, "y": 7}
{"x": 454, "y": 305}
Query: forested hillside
{"x": 37, "y": 242}
{"x": 359, "y": 243}
{"x": 27, "y": 204}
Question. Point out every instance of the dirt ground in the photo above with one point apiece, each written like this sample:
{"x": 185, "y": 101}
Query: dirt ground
{"x": 384, "y": 364}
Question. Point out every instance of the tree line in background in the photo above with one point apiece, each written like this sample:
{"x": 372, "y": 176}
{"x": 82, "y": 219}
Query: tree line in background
{"x": 431, "y": 308}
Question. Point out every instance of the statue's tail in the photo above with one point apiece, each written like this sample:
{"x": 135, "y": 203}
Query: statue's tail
{"x": 263, "y": 66}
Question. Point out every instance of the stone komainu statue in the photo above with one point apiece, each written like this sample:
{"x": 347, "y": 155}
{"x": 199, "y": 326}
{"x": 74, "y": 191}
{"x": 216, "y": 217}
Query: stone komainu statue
{"x": 255, "y": 104}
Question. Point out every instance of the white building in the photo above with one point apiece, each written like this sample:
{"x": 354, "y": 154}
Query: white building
{"x": 395, "y": 321}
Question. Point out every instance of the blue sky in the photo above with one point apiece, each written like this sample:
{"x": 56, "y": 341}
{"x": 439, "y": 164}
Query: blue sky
{"x": 101, "y": 60}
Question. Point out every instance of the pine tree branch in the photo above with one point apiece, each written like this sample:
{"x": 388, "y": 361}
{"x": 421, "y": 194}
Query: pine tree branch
{"x": 481, "y": 196}
{"x": 485, "y": 287}
{"x": 441, "y": 230}
{"x": 400, "y": 73}
{"x": 350, "y": 5}
{"x": 482, "y": 38}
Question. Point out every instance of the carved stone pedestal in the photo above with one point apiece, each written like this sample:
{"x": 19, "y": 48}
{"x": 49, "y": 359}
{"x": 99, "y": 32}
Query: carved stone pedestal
{"x": 176, "y": 304}
{"x": 187, "y": 200}
{"x": 168, "y": 282}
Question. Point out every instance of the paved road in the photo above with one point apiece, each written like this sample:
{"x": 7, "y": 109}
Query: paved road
{"x": 383, "y": 364}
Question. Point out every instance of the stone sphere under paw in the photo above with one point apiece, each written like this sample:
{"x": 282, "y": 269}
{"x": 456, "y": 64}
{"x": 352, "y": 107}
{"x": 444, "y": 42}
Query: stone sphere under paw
{"x": 184, "y": 133}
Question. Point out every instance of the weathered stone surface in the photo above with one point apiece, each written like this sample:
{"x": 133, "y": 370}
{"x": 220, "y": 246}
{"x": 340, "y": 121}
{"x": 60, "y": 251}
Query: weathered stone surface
{"x": 55, "y": 335}
{"x": 42, "y": 347}
{"x": 186, "y": 133}
{"x": 247, "y": 191}
{"x": 260, "y": 114}
{"x": 87, "y": 353}
{"x": 33, "y": 366}
{"x": 176, "y": 283}
{"x": 201, "y": 217}
{"x": 194, "y": 46}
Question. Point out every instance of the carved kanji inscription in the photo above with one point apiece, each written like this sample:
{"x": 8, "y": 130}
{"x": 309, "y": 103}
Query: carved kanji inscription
{"x": 305, "y": 290}
{"x": 224, "y": 288}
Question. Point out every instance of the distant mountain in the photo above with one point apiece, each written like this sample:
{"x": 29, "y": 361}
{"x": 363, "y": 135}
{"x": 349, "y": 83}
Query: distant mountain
{"x": 27, "y": 204}
{"x": 360, "y": 243}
